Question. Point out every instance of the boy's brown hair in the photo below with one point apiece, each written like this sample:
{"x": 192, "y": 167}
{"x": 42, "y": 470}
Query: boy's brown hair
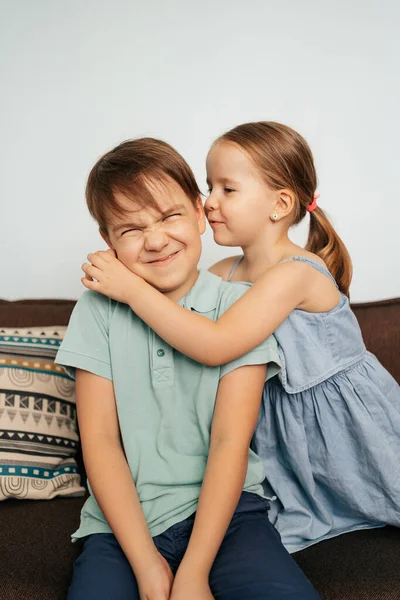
{"x": 130, "y": 168}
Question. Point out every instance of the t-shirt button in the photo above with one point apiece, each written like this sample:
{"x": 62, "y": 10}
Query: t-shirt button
{"x": 160, "y": 352}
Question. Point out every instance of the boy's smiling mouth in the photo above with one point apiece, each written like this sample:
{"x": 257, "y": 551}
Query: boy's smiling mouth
{"x": 164, "y": 261}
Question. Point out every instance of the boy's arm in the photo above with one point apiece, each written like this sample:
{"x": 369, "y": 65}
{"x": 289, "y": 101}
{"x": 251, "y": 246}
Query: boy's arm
{"x": 112, "y": 483}
{"x": 235, "y": 417}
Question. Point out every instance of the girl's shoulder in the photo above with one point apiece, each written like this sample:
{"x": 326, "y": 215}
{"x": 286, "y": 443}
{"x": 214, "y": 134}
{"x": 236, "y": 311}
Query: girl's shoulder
{"x": 304, "y": 255}
{"x": 307, "y": 269}
{"x": 223, "y": 267}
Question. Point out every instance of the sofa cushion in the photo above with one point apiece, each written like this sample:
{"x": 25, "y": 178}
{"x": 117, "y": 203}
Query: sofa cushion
{"x": 35, "y": 548}
{"x": 31, "y": 341}
{"x": 363, "y": 565}
{"x": 47, "y": 312}
{"x": 37, "y": 556}
{"x": 38, "y": 429}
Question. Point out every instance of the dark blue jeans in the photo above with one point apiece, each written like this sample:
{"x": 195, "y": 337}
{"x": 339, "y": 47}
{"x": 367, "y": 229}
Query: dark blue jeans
{"x": 251, "y": 563}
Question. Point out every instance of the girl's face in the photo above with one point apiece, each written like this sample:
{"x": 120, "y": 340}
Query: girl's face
{"x": 240, "y": 203}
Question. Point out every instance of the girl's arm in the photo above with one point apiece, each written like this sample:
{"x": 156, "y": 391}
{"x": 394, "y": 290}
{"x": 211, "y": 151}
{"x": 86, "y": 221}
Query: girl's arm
{"x": 248, "y": 322}
{"x": 235, "y": 417}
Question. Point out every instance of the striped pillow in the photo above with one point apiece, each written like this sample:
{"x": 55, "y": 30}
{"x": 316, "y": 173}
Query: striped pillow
{"x": 32, "y": 341}
{"x": 38, "y": 430}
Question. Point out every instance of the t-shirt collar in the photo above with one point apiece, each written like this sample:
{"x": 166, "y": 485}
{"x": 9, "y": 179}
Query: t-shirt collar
{"x": 203, "y": 296}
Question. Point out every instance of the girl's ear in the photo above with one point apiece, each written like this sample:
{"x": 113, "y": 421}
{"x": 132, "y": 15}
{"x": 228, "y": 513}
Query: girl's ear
{"x": 106, "y": 239}
{"x": 284, "y": 203}
{"x": 201, "y": 217}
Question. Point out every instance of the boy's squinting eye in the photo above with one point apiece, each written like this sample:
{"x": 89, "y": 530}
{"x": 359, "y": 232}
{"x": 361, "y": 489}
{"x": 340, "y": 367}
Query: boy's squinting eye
{"x": 135, "y": 231}
{"x": 171, "y": 216}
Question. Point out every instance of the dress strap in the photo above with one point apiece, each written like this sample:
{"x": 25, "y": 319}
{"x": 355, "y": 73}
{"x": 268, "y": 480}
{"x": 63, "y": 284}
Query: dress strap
{"x": 235, "y": 264}
{"x": 312, "y": 263}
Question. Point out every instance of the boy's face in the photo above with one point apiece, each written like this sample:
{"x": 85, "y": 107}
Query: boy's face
{"x": 162, "y": 245}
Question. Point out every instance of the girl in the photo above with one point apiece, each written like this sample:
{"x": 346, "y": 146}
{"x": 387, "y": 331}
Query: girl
{"x": 329, "y": 427}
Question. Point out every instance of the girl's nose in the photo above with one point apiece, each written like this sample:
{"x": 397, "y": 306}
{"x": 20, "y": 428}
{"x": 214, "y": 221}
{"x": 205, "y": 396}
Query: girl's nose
{"x": 211, "y": 203}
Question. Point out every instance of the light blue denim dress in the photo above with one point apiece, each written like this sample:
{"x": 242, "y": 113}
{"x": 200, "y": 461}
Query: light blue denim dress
{"x": 329, "y": 430}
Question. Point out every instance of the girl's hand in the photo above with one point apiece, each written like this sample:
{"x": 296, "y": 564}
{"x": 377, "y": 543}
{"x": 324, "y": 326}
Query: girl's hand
{"x": 189, "y": 586}
{"x": 107, "y": 275}
{"x": 155, "y": 581}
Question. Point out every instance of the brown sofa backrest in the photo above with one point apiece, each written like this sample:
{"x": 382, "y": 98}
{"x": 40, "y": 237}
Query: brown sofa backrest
{"x": 379, "y": 322}
{"x": 35, "y": 313}
{"x": 380, "y": 326}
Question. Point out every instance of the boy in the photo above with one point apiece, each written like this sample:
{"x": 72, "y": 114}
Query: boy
{"x": 176, "y": 508}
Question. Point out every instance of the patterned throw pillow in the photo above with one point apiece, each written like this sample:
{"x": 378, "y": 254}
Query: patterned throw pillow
{"x": 38, "y": 430}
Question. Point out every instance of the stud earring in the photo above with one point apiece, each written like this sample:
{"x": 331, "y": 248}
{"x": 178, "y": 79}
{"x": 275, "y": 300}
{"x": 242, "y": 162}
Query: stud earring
{"x": 275, "y": 217}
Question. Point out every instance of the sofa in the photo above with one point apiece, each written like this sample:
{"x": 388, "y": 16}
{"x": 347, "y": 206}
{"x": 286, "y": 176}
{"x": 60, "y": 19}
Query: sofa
{"x": 36, "y": 555}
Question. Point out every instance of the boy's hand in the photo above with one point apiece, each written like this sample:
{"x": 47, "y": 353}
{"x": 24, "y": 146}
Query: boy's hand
{"x": 111, "y": 277}
{"x": 155, "y": 580}
{"x": 188, "y": 585}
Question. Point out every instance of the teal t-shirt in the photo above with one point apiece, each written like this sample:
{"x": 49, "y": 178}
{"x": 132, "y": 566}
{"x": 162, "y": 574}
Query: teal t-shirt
{"x": 165, "y": 400}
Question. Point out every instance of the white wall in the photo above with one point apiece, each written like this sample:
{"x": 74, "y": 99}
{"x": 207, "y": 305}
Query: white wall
{"x": 77, "y": 77}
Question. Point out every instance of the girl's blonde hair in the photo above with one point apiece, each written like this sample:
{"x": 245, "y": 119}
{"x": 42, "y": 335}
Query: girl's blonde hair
{"x": 284, "y": 159}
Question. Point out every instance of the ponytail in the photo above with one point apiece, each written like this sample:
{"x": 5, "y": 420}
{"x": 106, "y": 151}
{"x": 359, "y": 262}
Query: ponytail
{"x": 325, "y": 242}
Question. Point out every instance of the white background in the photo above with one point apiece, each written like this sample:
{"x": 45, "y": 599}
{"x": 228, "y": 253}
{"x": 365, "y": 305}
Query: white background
{"x": 78, "y": 77}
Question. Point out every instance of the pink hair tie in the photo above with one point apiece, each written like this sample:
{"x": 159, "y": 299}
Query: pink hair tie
{"x": 313, "y": 204}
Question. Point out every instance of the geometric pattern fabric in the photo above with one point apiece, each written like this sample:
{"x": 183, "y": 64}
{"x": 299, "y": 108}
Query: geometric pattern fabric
{"x": 38, "y": 428}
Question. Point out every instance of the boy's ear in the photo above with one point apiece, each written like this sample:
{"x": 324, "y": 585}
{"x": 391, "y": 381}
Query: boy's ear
{"x": 106, "y": 239}
{"x": 201, "y": 217}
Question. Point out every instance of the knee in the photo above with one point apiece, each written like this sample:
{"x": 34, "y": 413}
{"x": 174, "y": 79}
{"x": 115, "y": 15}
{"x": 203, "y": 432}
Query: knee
{"x": 102, "y": 572}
